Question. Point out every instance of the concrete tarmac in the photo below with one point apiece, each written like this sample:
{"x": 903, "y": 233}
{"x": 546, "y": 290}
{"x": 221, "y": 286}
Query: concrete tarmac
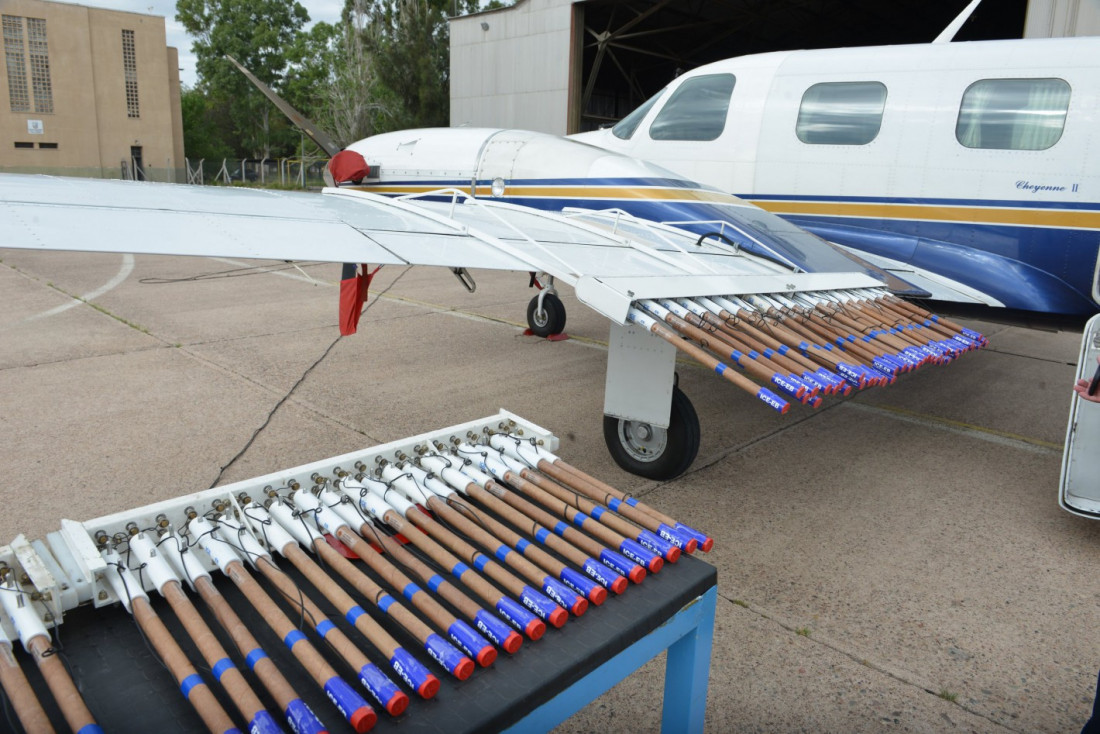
{"x": 894, "y": 561}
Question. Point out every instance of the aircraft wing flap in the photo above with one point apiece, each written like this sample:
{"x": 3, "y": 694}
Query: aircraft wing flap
{"x": 612, "y": 296}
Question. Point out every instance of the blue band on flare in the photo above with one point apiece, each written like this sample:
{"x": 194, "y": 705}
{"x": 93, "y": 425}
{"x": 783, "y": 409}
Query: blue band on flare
{"x": 90, "y": 729}
{"x": 674, "y": 536}
{"x": 480, "y": 561}
{"x": 536, "y": 602}
{"x": 459, "y": 569}
{"x": 493, "y": 628}
{"x": 378, "y": 684}
{"x": 604, "y": 575}
{"x": 409, "y": 668}
{"x": 501, "y": 553}
{"x": 631, "y": 501}
{"x": 385, "y": 602}
{"x": 578, "y": 582}
{"x": 614, "y": 503}
{"x": 443, "y": 652}
{"x": 617, "y": 562}
{"x": 324, "y": 627}
{"x": 344, "y": 697}
{"x": 521, "y": 545}
{"x": 254, "y": 657}
{"x": 302, "y": 720}
{"x": 719, "y": 368}
{"x": 514, "y": 613}
{"x": 783, "y": 349}
{"x": 466, "y": 638}
{"x": 558, "y": 592}
{"x": 596, "y": 512}
{"x": 219, "y": 668}
{"x": 541, "y": 535}
{"x": 561, "y": 527}
{"x": 188, "y": 683}
{"x": 769, "y": 352}
{"x": 263, "y": 723}
{"x": 771, "y": 399}
{"x": 410, "y": 590}
{"x": 292, "y": 638}
{"x": 435, "y": 582}
{"x": 700, "y": 537}
{"x": 657, "y": 545}
{"x": 636, "y": 552}
{"x": 579, "y": 518}
{"x": 354, "y": 613}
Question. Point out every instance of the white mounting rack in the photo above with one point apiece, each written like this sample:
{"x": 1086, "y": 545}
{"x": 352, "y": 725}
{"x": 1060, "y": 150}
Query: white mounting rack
{"x": 67, "y": 569}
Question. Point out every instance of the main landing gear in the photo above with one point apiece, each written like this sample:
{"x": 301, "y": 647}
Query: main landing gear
{"x": 652, "y": 452}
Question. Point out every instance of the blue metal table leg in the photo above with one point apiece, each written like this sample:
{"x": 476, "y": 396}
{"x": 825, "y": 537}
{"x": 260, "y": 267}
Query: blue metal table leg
{"x": 687, "y": 672}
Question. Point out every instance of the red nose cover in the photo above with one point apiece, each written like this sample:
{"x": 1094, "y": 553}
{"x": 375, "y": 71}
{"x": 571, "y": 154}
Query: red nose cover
{"x": 353, "y": 294}
{"x": 347, "y": 165}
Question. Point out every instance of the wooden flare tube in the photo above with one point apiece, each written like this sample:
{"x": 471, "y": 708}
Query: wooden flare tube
{"x": 938, "y": 327}
{"x": 629, "y": 569}
{"x": 555, "y": 616}
{"x": 746, "y": 340}
{"x": 856, "y": 326}
{"x": 594, "y": 510}
{"x": 700, "y": 355}
{"x": 469, "y": 608}
{"x": 534, "y": 628}
{"x": 526, "y": 482}
{"x": 380, "y": 638}
{"x": 713, "y": 341}
{"x": 461, "y": 667}
{"x": 819, "y": 335}
{"x": 641, "y": 516}
{"x": 884, "y": 318}
{"x": 242, "y": 695}
{"x": 763, "y": 338}
{"x": 304, "y": 652}
{"x": 265, "y": 669}
{"x": 923, "y": 315}
{"x": 196, "y": 691}
{"x": 532, "y": 527}
{"x": 18, "y": 689}
{"x": 834, "y": 332}
{"x": 595, "y": 594}
{"x": 499, "y": 547}
{"x": 60, "y": 683}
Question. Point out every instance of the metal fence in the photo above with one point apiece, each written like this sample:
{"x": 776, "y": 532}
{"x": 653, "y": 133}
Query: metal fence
{"x": 290, "y": 173}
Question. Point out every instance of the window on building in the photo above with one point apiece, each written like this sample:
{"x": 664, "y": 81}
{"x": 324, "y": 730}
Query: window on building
{"x": 25, "y": 47}
{"x": 1013, "y": 114}
{"x": 39, "y": 53}
{"x": 47, "y": 146}
{"x": 696, "y": 110}
{"x": 22, "y": 144}
{"x": 129, "y": 71}
{"x": 841, "y": 113}
{"x": 15, "y": 62}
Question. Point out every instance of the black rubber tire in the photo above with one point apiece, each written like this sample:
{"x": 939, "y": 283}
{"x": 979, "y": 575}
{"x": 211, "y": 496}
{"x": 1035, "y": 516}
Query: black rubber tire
{"x": 553, "y": 321}
{"x": 680, "y": 447}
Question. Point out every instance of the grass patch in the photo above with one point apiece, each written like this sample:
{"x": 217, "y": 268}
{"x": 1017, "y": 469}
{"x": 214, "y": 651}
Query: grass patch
{"x": 947, "y": 695}
{"x": 740, "y": 603}
{"x": 803, "y": 631}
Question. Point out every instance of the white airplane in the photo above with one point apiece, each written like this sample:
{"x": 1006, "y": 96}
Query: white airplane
{"x": 971, "y": 170}
{"x": 734, "y": 287}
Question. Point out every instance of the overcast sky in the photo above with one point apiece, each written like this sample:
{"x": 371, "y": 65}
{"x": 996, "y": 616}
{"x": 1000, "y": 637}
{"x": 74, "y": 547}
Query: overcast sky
{"x": 326, "y": 10}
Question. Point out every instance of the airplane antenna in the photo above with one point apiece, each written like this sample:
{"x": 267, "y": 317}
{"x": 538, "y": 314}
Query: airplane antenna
{"x": 301, "y": 121}
{"x": 953, "y": 27}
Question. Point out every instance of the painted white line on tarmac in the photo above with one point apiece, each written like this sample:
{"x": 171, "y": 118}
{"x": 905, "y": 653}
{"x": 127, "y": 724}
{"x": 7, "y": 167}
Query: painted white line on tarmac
{"x": 123, "y": 274}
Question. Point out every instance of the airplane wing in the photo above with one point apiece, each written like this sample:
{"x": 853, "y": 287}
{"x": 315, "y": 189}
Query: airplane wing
{"x": 616, "y": 256}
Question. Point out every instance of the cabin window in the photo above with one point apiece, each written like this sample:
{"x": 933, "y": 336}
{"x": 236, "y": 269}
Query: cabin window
{"x": 624, "y": 129}
{"x": 841, "y": 113}
{"x": 1013, "y": 114}
{"x": 696, "y": 110}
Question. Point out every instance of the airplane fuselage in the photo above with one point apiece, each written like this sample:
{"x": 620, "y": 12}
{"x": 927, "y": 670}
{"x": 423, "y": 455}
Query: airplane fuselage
{"x": 969, "y": 169}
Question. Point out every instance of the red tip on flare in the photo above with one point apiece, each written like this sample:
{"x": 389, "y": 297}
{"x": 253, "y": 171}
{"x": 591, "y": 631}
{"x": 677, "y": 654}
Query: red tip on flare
{"x": 708, "y": 544}
{"x": 655, "y": 564}
{"x": 619, "y": 584}
{"x": 464, "y": 669}
{"x": 692, "y": 545}
{"x": 598, "y": 595}
{"x": 487, "y": 656}
{"x": 672, "y": 555}
{"x": 512, "y": 643}
{"x": 535, "y": 629}
{"x": 397, "y": 704}
{"x": 559, "y": 616}
{"x": 580, "y": 606}
{"x": 363, "y": 719}
{"x": 637, "y": 574}
{"x": 429, "y": 687}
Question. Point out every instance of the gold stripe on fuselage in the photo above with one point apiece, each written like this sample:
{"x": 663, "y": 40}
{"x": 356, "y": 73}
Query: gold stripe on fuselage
{"x": 1019, "y": 216}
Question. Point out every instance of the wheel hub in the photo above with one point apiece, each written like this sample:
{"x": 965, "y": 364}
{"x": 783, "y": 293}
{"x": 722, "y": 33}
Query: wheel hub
{"x": 642, "y": 441}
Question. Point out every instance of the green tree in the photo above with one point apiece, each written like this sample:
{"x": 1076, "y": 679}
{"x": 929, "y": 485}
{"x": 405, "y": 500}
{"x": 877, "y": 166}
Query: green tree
{"x": 207, "y": 129}
{"x": 258, "y": 33}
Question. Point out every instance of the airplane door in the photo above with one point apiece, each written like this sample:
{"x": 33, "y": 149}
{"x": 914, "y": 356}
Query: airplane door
{"x": 1079, "y": 490}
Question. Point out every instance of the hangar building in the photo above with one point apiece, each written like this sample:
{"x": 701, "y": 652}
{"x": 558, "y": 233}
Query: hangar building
{"x": 562, "y": 67}
{"x": 88, "y": 92}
